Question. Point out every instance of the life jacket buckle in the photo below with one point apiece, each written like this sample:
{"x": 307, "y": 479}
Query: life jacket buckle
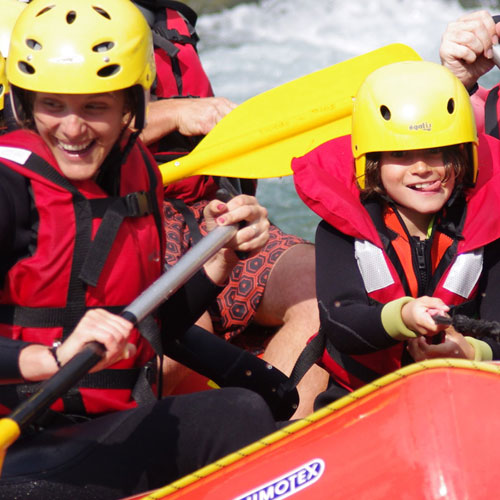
{"x": 138, "y": 204}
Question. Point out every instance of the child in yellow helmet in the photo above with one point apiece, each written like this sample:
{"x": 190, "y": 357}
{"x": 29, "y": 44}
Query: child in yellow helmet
{"x": 406, "y": 233}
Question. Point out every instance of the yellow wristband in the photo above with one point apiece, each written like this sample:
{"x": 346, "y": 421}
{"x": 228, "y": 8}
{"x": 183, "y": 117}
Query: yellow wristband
{"x": 393, "y": 322}
{"x": 482, "y": 351}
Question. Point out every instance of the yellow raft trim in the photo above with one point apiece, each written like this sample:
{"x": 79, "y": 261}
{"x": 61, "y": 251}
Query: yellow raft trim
{"x": 320, "y": 414}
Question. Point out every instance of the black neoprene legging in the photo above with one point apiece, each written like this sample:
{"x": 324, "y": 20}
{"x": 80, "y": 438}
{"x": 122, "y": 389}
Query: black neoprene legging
{"x": 136, "y": 450}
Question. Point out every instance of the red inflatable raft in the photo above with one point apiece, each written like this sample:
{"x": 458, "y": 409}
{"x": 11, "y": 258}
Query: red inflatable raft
{"x": 428, "y": 431}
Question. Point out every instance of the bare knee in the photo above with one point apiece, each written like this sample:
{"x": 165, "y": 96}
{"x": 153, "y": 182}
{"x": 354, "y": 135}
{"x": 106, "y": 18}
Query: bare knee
{"x": 291, "y": 287}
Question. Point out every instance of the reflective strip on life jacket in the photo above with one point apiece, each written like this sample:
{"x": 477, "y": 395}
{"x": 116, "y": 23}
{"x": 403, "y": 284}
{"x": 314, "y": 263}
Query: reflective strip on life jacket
{"x": 16, "y": 155}
{"x": 465, "y": 273}
{"x": 372, "y": 266}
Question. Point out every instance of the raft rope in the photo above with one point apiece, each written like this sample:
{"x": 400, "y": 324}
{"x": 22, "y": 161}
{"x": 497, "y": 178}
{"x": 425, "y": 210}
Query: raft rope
{"x": 476, "y": 327}
{"x": 328, "y": 410}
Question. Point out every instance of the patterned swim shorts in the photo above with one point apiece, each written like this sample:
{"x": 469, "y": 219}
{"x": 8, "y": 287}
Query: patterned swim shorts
{"x": 236, "y": 305}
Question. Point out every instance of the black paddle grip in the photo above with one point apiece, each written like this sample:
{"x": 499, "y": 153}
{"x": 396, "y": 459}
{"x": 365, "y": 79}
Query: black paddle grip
{"x": 58, "y": 384}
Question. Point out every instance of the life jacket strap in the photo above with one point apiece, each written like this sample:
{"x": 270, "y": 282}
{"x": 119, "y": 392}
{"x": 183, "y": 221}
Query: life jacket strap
{"x": 137, "y": 204}
{"x": 190, "y": 219}
{"x": 42, "y": 317}
{"x": 491, "y": 113}
{"x": 310, "y": 355}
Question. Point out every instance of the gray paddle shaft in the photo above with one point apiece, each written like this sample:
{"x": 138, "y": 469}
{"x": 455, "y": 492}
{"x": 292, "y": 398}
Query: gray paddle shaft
{"x": 496, "y": 54}
{"x": 187, "y": 266}
{"x": 92, "y": 353}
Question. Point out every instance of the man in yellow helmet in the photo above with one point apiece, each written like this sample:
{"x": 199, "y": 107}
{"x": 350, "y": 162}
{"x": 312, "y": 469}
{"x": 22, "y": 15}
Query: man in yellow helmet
{"x": 81, "y": 236}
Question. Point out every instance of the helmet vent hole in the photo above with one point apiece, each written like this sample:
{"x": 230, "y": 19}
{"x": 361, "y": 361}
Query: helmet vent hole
{"x": 103, "y": 47}
{"x": 385, "y": 112}
{"x": 45, "y": 10}
{"x": 24, "y": 67}
{"x": 108, "y": 71}
{"x": 451, "y": 106}
{"x": 102, "y": 12}
{"x": 71, "y": 17}
{"x": 33, "y": 44}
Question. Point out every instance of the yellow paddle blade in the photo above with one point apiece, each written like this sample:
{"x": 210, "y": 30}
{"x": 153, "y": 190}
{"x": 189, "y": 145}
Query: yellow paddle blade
{"x": 259, "y": 138}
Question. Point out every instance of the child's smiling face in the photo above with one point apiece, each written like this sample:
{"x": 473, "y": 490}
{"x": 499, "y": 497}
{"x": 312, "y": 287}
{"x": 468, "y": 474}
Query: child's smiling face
{"x": 417, "y": 181}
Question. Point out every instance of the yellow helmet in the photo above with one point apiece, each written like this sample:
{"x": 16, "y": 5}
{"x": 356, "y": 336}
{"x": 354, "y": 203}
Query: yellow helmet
{"x": 411, "y": 105}
{"x": 10, "y": 9}
{"x": 81, "y": 47}
{"x": 3, "y": 81}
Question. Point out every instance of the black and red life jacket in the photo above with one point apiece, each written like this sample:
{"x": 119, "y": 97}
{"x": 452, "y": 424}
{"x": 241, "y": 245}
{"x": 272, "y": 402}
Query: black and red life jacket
{"x": 486, "y": 105}
{"x": 179, "y": 73}
{"x": 491, "y": 111}
{"x": 324, "y": 179}
{"x": 179, "y": 69}
{"x": 88, "y": 250}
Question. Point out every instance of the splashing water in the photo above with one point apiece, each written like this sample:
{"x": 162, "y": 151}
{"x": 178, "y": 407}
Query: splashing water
{"x": 254, "y": 47}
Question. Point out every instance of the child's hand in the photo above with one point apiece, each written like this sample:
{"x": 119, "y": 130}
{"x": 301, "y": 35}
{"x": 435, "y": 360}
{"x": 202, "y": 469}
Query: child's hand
{"x": 417, "y": 315}
{"x": 454, "y": 346}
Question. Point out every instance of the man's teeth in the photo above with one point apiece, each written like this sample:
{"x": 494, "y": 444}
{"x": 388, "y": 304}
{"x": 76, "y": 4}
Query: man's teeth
{"x": 75, "y": 148}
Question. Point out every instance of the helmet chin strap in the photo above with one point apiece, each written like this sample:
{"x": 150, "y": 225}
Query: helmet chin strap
{"x": 14, "y": 103}
{"x": 140, "y": 115}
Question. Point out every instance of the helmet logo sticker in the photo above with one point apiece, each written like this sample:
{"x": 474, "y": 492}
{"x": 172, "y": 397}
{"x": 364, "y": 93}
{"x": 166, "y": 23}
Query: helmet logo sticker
{"x": 425, "y": 126}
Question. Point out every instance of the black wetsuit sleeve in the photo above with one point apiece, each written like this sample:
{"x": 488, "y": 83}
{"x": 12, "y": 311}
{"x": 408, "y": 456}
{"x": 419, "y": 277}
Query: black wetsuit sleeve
{"x": 7, "y": 215}
{"x": 349, "y": 318}
{"x": 14, "y": 235}
{"x": 186, "y": 305}
{"x": 489, "y": 291}
{"x": 9, "y": 358}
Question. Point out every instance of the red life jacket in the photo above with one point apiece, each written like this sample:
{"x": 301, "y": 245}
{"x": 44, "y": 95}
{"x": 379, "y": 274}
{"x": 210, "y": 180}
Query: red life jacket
{"x": 179, "y": 69}
{"x": 487, "y": 107}
{"x": 88, "y": 250}
{"x": 179, "y": 73}
{"x": 338, "y": 204}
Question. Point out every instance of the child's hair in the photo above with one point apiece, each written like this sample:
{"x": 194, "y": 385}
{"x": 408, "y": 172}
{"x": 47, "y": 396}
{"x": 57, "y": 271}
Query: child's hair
{"x": 456, "y": 157}
{"x": 411, "y": 105}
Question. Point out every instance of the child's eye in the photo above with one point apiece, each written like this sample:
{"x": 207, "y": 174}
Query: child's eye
{"x": 398, "y": 154}
{"x": 51, "y": 104}
{"x": 434, "y": 151}
{"x": 96, "y": 106}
